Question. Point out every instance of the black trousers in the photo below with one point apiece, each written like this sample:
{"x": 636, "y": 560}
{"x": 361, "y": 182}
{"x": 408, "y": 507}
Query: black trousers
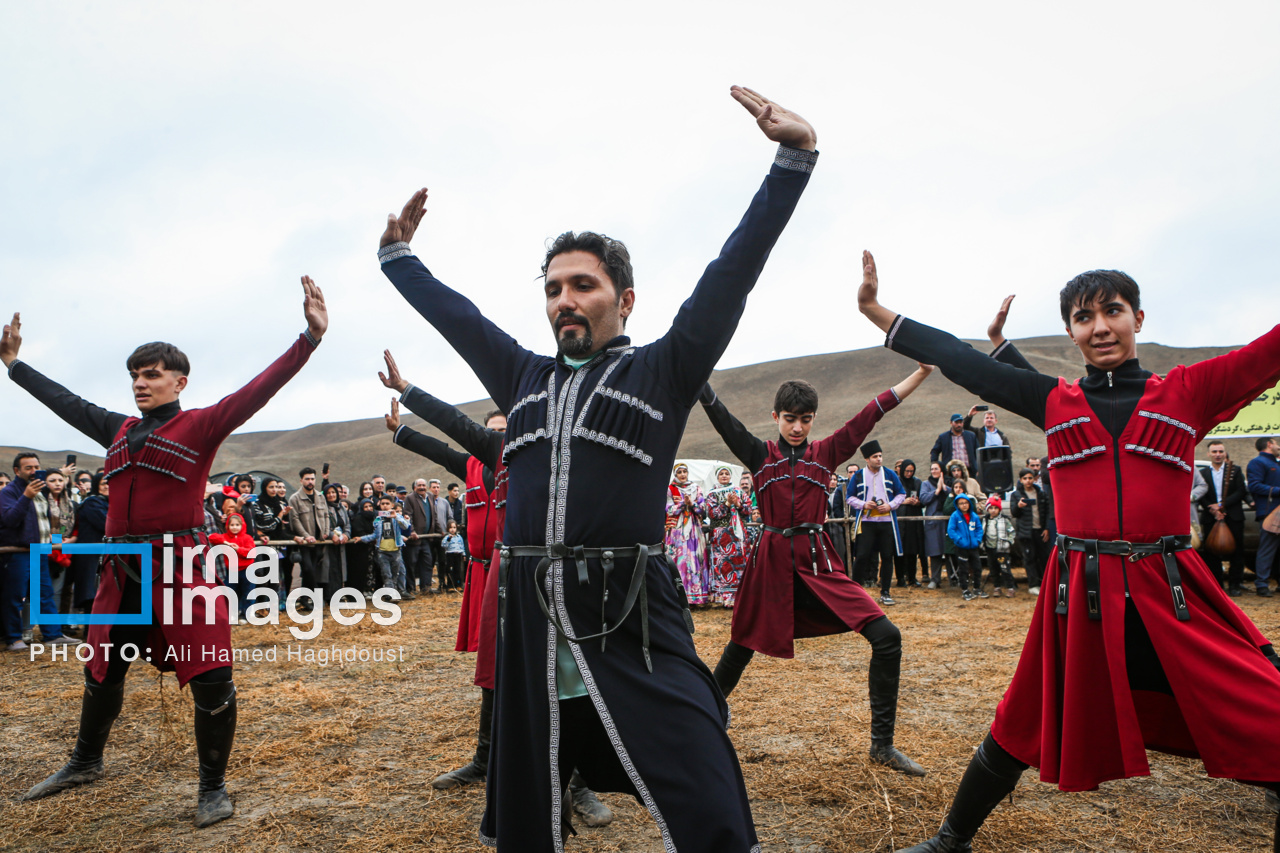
{"x": 875, "y": 540}
{"x": 418, "y": 563}
{"x": 1035, "y": 553}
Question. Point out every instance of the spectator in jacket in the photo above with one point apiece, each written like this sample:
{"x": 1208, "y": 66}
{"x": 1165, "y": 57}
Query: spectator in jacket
{"x": 997, "y": 546}
{"x": 1264, "y": 485}
{"x": 912, "y": 533}
{"x": 340, "y": 523}
{"x": 1224, "y": 502}
{"x": 56, "y": 513}
{"x": 958, "y": 471}
{"x": 965, "y": 530}
{"x": 956, "y": 443}
{"x": 988, "y": 435}
{"x": 91, "y": 526}
{"x": 309, "y": 521}
{"x": 419, "y": 556}
{"x": 238, "y": 539}
{"x": 387, "y": 538}
{"x": 1031, "y": 510}
{"x": 933, "y": 494}
{"x": 19, "y": 525}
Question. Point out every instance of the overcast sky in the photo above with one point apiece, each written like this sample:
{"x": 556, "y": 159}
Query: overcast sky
{"x": 169, "y": 170}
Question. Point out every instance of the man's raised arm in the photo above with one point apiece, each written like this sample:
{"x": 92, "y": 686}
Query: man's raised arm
{"x": 96, "y": 422}
{"x": 424, "y": 445}
{"x": 481, "y": 442}
{"x": 229, "y": 413}
{"x": 1022, "y": 392}
{"x": 494, "y": 355}
{"x": 706, "y": 322}
{"x": 750, "y": 450}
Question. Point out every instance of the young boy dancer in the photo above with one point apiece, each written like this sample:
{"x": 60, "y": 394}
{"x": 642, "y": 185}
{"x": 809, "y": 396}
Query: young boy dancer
{"x": 1136, "y": 646}
{"x": 797, "y": 586}
{"x": 159, "y": 464}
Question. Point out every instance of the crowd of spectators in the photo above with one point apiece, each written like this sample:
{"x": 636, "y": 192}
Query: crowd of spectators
{"x": 413, "y": 540}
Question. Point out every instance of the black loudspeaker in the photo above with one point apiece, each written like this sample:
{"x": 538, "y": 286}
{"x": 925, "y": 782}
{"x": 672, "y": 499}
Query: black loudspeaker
{"x": 995, "y": 467}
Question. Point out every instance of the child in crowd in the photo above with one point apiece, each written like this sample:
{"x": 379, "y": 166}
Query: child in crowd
{"x": 388, "y": 533}
{"x": 455, "y": 551}
{"x": 242, "y": 543}
{"x": 997, "y": 544}
{"x": 965, "y": 530}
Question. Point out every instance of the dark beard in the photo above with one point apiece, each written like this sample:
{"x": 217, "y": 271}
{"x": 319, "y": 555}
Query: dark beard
{"x": 576, "y": 346}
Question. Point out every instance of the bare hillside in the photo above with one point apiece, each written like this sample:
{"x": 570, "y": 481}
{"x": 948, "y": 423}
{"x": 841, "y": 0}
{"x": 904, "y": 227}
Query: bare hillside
{"x": 846, "y": 381}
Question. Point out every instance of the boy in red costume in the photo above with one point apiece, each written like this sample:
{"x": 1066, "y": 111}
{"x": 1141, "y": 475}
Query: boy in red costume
{"x": 1134, "y": 646}
{"x": 796, "y": 585}
{"x": 158, "y": 464}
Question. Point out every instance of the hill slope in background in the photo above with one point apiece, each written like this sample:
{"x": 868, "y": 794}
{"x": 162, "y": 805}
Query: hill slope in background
{"x": 845, "y": 382}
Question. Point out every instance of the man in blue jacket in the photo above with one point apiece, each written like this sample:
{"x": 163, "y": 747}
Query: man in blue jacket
{"x": 1263, "y": 476}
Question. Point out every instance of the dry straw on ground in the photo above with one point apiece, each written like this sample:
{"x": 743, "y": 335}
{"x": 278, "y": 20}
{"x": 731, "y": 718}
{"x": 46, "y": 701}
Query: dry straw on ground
{"x": 341, "y": 757}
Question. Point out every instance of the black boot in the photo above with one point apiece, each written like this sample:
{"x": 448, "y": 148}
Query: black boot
{"x": 886, "y": 661}
{"x": 99, "y": 708}
{"x": 215, "y": 725}
{"x": 587, "y": 804}
{"x": 991, "y": 776}
{"x": 733, "y": 661}
{"x": 478, "y": 767}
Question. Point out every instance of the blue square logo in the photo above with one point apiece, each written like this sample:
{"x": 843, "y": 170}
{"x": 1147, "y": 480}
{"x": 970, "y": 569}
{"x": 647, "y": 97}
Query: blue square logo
{"x": 143, "y": 550}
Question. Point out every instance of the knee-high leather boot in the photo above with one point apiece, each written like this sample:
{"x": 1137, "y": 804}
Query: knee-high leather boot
{"x": 990, "y": 777}
{"x": 99, "y": 708}
{"x": 215, "y": 726}
{"x": 476, "y": 769}
{"x": 882, "y": 684}
{"x": 733, "y": 661}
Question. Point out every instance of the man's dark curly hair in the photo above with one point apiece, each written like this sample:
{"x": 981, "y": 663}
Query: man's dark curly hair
{"x": 612, "y": 253}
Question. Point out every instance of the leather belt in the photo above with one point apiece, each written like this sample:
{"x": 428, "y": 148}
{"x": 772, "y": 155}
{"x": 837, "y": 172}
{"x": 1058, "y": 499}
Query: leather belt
{"x": 135, "y": 538}
{"x": 814, "y": 531}
{"x": 1166, "y": 546}
{"x": 637, "y": 589}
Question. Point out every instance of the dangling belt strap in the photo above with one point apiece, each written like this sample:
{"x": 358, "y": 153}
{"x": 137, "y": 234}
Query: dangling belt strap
{"x": 1167, "y": 546}
{"x": 637, "y": 589}
{"x": 814, "y": 532}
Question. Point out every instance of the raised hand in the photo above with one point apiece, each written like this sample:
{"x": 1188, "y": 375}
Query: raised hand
{"x": 400, "y": 229}
{"x": 778, "y": 123}
{"x": 392, "y": 378}
{"x": 996, "y": 330}
{"x": 313, "y": 308}
{"x": 869, "y": 295}
{"x": 393, "y": 419}
{"x": 11, "y": 339}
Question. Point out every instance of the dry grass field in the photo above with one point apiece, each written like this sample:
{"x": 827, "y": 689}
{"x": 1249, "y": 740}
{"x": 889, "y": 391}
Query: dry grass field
{"x": 341, "y": 757}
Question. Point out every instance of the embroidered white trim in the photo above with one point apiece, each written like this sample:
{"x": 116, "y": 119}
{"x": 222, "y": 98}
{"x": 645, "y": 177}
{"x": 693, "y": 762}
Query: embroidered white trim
{"x": 493, "y": 842}
{"x": 532, "y": 398}
{"x": 797, "y": 159}
{"x": 1076, "y": 457}
{"x": 1067, "y": 425}
{"x": 635, "y": 402}
{"x": 893, "y": 330}
{"x": 393, "y": 252}
{"x": 1163, "y": 457}
{"x": 529, "y": 437}
{"x": 1171, "y": 421}
{"x": 616, "y": 443}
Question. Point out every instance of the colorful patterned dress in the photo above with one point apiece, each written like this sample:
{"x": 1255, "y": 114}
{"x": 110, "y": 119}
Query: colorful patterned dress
{"x": 686, "y": 546}
{"x": 728, "y": 541}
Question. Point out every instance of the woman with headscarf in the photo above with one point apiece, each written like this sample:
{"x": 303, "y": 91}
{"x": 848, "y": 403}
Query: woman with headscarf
{"x": 686, "y": 546}
{"x": 339, "y": 523}
{"x": 728, "y": 512}
{"x": 933, "y": 494}
{"x": 360, "y": 568}
{"x": 91, "y": 525}
{"x": 270, "y": 517}
{"x": 912, "y": 532}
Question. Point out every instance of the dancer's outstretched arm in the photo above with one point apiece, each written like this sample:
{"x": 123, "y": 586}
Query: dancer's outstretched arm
{"x": 1022, "y": 392}
{"x": 99, "y": 424}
